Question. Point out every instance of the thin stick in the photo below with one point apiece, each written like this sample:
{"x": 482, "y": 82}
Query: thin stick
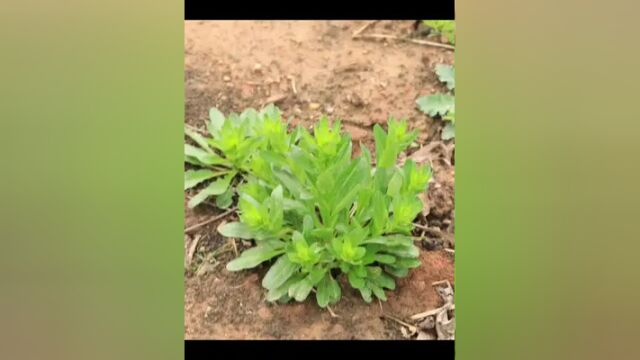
{"x": 293, "y": 85}
{"x": 215, "y": 218}
{"x": 415, "y": 41}
{"x": 450, "y": 251}
{"x": 363, "y": 28}
{"x": 332, "y": 313}
{"x": 412, "y": 328}
{"x": 192, "y": 249}
{"x": 428, "y": 313}
{"x": 235, "y": 247}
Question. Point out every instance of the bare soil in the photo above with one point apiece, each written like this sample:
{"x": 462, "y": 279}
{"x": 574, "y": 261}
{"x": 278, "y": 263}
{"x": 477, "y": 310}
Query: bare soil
{"x": 310, "y": 68}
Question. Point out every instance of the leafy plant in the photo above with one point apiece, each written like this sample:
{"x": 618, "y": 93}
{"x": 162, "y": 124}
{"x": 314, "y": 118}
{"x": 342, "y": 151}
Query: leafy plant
{"x": 231, "y": 150}
{"x": 317, "y": 212}
{"x": 442, "y": 105}
{"x": 444, "y": 27}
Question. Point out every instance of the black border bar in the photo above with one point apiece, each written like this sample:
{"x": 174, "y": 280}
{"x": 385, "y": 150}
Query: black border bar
{"x": 297, "y": 349}
{"x": 326, "y": 10}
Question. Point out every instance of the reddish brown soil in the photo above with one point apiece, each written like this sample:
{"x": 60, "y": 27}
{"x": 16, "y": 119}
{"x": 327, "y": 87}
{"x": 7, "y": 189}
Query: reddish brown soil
{"x": 233, "y": 65}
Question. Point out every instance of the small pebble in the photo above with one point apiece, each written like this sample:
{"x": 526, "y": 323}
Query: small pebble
{"x": 314, "y": 106}
{"x": 226, "y": 78}
{"x": 257, "y": 68}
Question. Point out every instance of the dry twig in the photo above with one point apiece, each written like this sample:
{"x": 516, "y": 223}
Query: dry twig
{"x": 215, "y": 218}
{"x": 415, "y": 41}
{"x": 363, "y": 28}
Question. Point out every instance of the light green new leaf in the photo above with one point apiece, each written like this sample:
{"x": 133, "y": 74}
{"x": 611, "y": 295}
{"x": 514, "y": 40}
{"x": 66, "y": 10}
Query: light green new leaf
{"x": 253, "y": 257}
{"x": 395, "y": 184}
{"x": 280, "y": 272}
{"x": 434, "y": 105}
{"x": 194, "y": 177}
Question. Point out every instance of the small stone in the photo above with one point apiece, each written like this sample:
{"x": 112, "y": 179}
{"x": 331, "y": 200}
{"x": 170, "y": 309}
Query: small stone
{"x": 314, "y": 106}
{"x": 257, "y": 68}
{"x": 355, "y": 100}
{"x": 226, "y": 78}
{"x": 297, "y": 110}
{"x": 328, "y": 109}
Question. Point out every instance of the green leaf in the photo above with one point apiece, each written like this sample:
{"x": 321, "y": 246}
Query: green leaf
{"x": 397, "y": 272}
{"x": 328, "y": 291}
{"x": 380, "y": 139}
{"x": 202, "y": 156}
{"x": 407, "y": 262}
{"x": 224, "y": 200}
{"x": 449, "y": 131}
{"x": 292, "y": 184}
{"x": 281, "y": 292}
{"x": 410, "y": 252}
{"x": 355, "y": 281}
{"x": 385, "y": 281}
{"x": 236, "y": 230}
{"x": 385, "y": 259}
{"x": 378, "y": 292}
{"x": 366, "y": 294}
{"x": 253, "y": 257}
{"x": 447, "y": 75}
{"x": 434, "y": 105}
{"x": 195, "y": 177}
{"x": 216, "y": 120}
{"x": 280, "y": 272}
{"x": 215, "y": 188}
{"x": 300, "y": 290}
{"x": 199, "y": 139}
{"x": 276, "y": 207}
{"x": 395, "y": 184}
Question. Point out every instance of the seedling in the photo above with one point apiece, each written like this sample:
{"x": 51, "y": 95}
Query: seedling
{"x": 318, "y": 213}
{"x": 442, "y": 105}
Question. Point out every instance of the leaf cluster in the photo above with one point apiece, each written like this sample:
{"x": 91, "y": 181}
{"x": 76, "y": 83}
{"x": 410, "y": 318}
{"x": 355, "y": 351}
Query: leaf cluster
{"x": 442, "y": 105}
{"x": 318, "y": 215}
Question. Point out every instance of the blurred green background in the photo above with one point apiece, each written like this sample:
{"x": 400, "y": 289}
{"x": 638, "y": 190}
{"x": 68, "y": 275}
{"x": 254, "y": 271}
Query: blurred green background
{"x": 92, "y": 204}
{"x": 546, "y": 184}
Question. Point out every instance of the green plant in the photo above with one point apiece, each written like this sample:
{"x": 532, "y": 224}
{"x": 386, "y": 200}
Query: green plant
{"x": 231, "y": 150}
{"x": 317, "y": 212}
{"x": 444, "y": 27}
{"x": 442, "y": 105}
